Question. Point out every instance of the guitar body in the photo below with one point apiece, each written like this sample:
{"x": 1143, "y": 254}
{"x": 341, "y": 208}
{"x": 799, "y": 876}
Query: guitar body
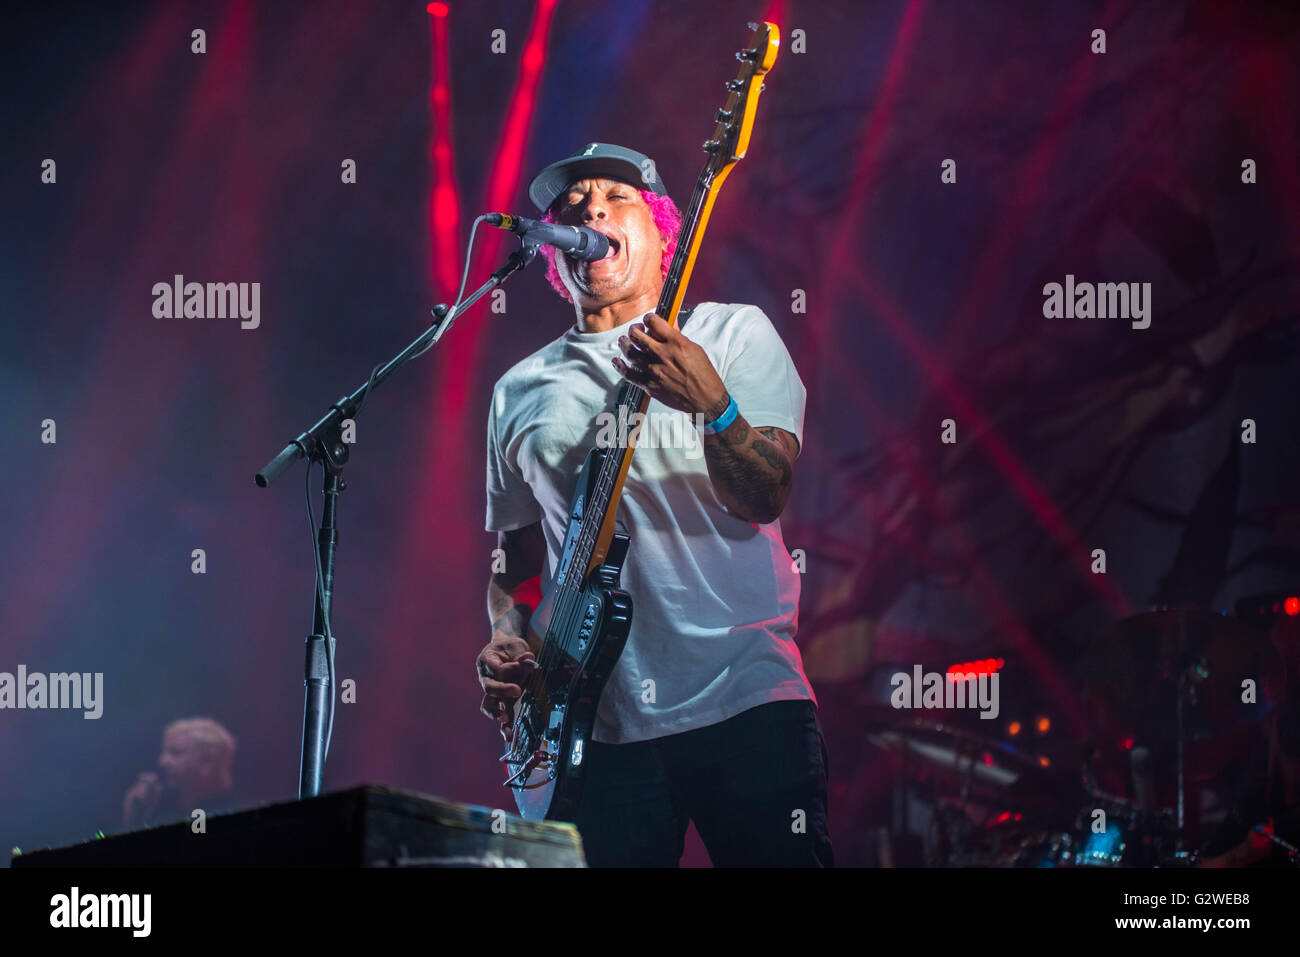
{"x": 579, "y": 630}
{"x": 557, "y": 711}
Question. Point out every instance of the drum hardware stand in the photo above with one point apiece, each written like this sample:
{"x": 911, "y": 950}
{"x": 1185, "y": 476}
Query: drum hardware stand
{"x": 1180, "y": 694}
{"x": 1186, "y": 691}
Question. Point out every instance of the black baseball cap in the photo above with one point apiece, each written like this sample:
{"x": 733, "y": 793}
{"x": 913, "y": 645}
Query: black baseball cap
{"x": 595, "y": 161}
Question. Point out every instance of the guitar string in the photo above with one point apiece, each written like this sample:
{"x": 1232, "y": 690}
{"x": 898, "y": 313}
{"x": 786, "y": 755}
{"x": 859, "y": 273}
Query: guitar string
{"x": 568, "y": 602}
{"x": 586, "y": 538}
{"x": 631, "y": 394}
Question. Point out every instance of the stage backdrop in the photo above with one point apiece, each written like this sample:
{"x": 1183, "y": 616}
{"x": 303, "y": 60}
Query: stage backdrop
{"x": 919, "y": 174}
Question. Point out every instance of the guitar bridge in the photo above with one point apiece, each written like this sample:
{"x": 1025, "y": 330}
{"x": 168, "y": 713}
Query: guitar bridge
{"x": 544, "y": 757}
{"x": 537, "y": 760}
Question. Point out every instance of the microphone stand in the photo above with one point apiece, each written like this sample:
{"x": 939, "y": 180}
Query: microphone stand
{"x": 323, "y": 443}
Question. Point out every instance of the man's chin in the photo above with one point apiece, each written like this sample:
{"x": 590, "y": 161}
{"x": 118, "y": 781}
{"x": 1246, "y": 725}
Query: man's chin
{"x": 599, "y": 294}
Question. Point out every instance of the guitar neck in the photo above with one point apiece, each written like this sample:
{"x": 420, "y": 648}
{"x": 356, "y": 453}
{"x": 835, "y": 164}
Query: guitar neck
{"x": 632, "y": 398}
{"x": 728, "y": 145}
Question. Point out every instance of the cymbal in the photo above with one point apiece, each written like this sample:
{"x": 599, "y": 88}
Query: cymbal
{"x": 993, "y": 769}
{"x": 1133, "y": 671}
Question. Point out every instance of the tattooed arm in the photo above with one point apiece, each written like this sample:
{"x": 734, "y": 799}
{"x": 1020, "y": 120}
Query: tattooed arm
{"x": 751, "y": 467}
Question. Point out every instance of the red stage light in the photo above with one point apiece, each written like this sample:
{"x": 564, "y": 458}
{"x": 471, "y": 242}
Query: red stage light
{"x": 1293, "y": 606}
{"x": 1043, "y": 725}
{"x": 1013, "y": 728}
{"x": 438, "y": 9}
{"x": 984, "y": 666}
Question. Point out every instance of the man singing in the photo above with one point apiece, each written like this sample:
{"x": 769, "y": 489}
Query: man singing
{"x": 708, "y": 716}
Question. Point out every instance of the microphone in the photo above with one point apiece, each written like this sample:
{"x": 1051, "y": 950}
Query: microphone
{"x": 579, "y": 241}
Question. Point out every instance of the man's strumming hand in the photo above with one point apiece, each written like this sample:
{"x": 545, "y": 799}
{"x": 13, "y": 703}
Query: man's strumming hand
{"x": 751, "y": 468}
{"x": 670, "y": 367}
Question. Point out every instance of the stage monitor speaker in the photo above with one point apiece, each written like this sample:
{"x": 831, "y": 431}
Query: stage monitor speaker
{"x": 365, "y": 826}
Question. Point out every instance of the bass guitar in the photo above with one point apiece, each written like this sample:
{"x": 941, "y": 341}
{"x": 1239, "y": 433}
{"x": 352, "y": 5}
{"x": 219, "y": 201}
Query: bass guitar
{"x": 578, "y": 631}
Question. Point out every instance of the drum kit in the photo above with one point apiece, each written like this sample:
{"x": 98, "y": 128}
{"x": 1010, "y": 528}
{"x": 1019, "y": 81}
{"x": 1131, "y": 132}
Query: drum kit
{"x": 1177, "y": 691}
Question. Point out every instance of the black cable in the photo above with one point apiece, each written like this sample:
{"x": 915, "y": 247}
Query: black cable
{"x": 311, "y": 514}
{"x": 325, "y": 612}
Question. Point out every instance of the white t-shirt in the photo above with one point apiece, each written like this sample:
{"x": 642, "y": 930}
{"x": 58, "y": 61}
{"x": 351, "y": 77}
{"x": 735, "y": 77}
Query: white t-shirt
{"x": 715, "y": 599}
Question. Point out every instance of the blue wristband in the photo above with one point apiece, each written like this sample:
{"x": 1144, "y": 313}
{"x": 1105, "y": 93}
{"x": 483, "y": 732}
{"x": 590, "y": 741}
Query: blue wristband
{"x": 722, "y": 421}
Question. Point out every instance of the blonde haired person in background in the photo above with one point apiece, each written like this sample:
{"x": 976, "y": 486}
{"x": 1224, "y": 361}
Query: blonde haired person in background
{"x": 194, "y": 771}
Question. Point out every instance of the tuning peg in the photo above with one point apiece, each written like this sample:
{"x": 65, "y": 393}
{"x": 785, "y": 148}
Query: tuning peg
{"x": 723, "y": 116}
{"x": 735, "y": 85}
{"x": 744, "y": 55}
{"x": 752, "y": 26}
{"x": 711, "y": 146}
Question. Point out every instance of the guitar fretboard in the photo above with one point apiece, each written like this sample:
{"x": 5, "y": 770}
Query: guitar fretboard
{"x": 633, "y": 399}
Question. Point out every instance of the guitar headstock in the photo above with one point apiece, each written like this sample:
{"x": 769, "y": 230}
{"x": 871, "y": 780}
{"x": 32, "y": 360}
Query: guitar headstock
{"x": 735, "y": 118}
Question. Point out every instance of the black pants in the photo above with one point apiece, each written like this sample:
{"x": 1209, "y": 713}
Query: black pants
{"x": 755, "y": 786}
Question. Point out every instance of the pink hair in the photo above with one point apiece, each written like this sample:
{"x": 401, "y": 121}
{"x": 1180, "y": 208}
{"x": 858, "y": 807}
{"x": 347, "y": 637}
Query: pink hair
{"x": 667, "y": 217}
